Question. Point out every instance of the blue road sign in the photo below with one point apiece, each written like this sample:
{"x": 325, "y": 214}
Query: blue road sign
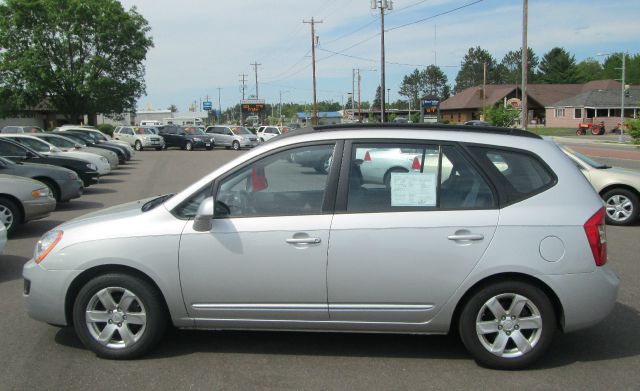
{"x": 206, "y": 105}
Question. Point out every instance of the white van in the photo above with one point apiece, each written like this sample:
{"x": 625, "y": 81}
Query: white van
{"x": 150, "y": 123}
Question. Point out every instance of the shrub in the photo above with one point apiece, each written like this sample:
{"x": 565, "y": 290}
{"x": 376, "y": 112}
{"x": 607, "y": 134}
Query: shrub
{"x": 502, "y": 116}
{"x": 633, "y": 127}
{"x": 106, "y": 129}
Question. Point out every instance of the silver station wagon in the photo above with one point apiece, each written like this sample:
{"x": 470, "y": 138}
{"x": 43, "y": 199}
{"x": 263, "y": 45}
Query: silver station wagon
{"x": 491, "y": 233}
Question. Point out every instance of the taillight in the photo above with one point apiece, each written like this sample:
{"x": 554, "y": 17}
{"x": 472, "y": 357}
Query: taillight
{"x": 416, "y": 164}
{"x": 595, "y": 230}
{"x": 367, "y": 157}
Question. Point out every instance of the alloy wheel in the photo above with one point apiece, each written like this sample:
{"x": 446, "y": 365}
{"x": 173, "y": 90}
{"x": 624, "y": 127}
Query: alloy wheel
{"x": 116, "y": 317}
{"x": 619, "y": 208}
{"x": 6, "y": 216}
{"x": 509, "y": 325}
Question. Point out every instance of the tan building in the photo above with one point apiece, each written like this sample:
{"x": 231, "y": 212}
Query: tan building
{"x": 467, "y": 105}
{"x": 593, "y": 107}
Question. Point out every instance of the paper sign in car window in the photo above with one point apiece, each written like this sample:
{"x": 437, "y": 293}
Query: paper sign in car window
{"x": 413, "y": 189}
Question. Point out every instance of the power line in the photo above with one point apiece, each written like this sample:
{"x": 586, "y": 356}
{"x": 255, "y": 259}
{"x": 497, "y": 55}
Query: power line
{"x": 435, "y": 16}
{"x": 387, "y": 62}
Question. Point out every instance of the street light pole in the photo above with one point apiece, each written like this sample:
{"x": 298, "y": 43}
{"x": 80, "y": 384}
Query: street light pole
{"x": 620, "y": 138}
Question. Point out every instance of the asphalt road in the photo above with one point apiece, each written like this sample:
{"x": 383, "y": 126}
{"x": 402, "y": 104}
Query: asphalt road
{"x": 34, "y": 355}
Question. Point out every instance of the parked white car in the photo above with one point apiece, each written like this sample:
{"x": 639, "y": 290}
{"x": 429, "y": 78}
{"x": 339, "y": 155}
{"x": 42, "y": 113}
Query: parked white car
{"x": 39, "y": 145}
{"x": 618, "y": 187}
{"x": 98, "y": 135}
{"x": 139, "y": 137}
{"x": 265, "y": 133}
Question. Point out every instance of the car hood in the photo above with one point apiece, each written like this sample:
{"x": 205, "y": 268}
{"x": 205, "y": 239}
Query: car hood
{"x": 129, "y": 209}
{"x": 7, "y": 180}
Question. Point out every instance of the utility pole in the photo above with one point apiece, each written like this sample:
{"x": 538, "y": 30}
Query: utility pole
{"x": 219, "y": 106}
{"x": 525, "y": 61}
{"x": 255, "y": 68}
{"x": 353, "y": 91}
{"x": 280, "y": 109}
{"x": 383, "y": 5}
{"x": 242, "y": 88}
{"x": 484, "y": 90}
{"x": 314, "y": 42}
{"x": 359, "y": 102}
{"x": 624, "y": 58}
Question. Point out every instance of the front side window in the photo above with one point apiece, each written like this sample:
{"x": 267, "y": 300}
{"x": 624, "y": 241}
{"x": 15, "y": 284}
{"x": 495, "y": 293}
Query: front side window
{"x": 11, "y": 150}
{"x": 34, "y": 144}
{"x": 397, "y": 177}
{"x": 278, "y": 186}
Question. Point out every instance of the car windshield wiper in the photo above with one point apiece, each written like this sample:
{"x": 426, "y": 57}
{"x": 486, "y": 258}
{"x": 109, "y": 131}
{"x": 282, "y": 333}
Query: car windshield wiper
{"x": 155, "y": 202}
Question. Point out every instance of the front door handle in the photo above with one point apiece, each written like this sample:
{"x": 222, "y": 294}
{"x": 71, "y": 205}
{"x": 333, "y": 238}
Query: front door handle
{"x": 303, "y": 240}
{"x": 469, "y": 236}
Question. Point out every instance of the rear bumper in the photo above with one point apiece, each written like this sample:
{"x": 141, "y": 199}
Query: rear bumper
{"x": 38, "y": 209}
{"x": 582, "y": 307}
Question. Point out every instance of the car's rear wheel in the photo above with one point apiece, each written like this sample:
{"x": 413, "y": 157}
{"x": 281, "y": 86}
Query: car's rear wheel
{"x": 9, "y": 215}
{"x": 119, "y": 316}
{"x": 507, "y": 325}
{"x": 622, "y": 206}
{"x": 138, "y": 146}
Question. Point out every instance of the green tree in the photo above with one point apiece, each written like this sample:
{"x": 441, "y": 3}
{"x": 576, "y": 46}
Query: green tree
{"x": 613, "y": 64}
{"x": 410, "y": 87}
{"x": 430, "y": 81}
{"x": 588, "y": 70}
{"x": 510, "y": 68}
{"x": 471, "y": 72}
{"x": 79, "y": 56}
{"x": 502, "y": 116}
{"x": 558, "y": 67}
{"x": 173, "y": 108}
{"x": 377, "y": 99}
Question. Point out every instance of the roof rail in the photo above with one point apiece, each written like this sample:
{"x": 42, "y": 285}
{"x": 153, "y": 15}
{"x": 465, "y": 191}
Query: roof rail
{"x": 438, "y": 127}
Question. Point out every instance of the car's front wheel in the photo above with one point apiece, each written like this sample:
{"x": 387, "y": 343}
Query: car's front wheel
{"x": 621, "y": 206}
{"x": 188, "y": 146}
{"x": 235, "y": 145}
{"x": 507, "y": 325}
{"x": 9, "y": 214}
{"x": 138, "y": 146}
{"x": 119, "y": 316}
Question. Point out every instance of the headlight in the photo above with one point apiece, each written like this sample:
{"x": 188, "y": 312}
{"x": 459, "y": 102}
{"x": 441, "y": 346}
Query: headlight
{"x": 72, "y": 175}
{"x": 46, "y": 243}
{"x": 92, "y": 166}
{"x": 103, "y": 159}
{"x": 197, "y": 139}
{"x": 145, "y": 138}
{"x": 40, "y": 193}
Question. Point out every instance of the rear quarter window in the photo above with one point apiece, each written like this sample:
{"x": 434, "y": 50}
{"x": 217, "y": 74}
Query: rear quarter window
{"x": 520, "y": 174}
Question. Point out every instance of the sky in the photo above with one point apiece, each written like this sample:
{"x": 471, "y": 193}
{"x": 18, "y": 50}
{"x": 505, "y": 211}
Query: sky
{"x": 201, "y": 47}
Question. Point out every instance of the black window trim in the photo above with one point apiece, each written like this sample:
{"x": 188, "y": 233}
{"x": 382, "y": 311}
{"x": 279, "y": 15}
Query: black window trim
{"x": 343, "y": 185}
{"x": 498, "y": 179}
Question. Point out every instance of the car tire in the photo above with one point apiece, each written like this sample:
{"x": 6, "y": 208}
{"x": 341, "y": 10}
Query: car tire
{"x": 53, "y": 187}
{"x": 235, "y": 145}
{"x": 138, "y": 146}
{"x": 621, "y": 206}
{"x": 123, "y": 337}
{"x": 188, "y": 146}
{"x": 159, "y": 148}
{"x": 261, "y": 140}
{"x": 507, "y": 325}
{"x": 10, "y": 215}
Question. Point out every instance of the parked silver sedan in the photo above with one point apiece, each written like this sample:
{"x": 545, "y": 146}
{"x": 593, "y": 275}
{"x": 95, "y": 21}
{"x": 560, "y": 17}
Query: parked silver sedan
{"x": 22, "y": 200}
{"x": 503, "y": 253}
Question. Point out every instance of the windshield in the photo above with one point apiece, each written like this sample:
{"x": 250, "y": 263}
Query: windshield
{"x": 7, "y": 162}
{"x": 240, "y": 130}
{"x": 193, "y": 131}
{"x": 39, "y": 146}
{"x": 144, "y": 131}
{"x": 586, "y": 159}
{"x": 60, "y": 142}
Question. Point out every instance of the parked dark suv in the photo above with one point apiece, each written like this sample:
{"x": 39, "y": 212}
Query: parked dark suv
{"x": 186, "y": 137}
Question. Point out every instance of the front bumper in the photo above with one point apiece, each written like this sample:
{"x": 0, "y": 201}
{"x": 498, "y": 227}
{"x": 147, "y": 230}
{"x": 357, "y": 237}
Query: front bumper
{"x": 70, "y": 189}
{"x": 586, "y": 298}
{"x": 152, "y": 144}
{"x": 89, "y": 178}
{"x": 38, "y": 209}
{"x": 45, "y": 292}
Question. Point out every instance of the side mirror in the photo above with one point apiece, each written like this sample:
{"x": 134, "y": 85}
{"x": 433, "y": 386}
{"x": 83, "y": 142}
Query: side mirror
{"x": 202, "y": 221}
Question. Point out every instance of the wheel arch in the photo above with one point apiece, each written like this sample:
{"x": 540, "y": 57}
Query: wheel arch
{"x": 618, "y": 186}
{"x": 510, "y": 276}
{"x": 51, "y": 181}
{"x": 18, "y": 204}
{"x": 85, "y": 276}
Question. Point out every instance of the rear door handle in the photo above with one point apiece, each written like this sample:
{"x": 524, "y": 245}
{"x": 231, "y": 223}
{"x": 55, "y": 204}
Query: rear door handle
{"x": 303, "y": 240}
{"x": 466, "y": 237}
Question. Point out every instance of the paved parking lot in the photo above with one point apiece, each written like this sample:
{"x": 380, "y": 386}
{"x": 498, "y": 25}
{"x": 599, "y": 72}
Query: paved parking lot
{"x": 38, "y": 356}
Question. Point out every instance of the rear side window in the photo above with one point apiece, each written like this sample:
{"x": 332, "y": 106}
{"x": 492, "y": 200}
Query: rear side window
{"x": 520, "y": 173}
